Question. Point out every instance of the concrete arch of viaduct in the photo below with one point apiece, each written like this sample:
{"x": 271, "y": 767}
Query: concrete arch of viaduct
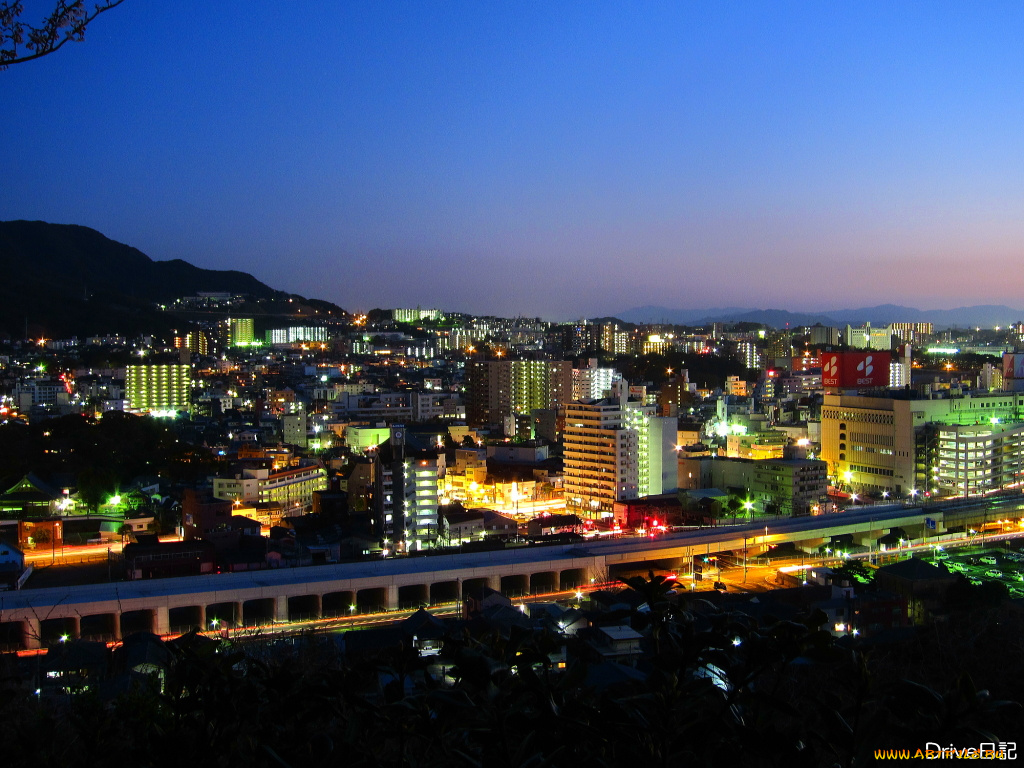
{"x": 34, "y": 626}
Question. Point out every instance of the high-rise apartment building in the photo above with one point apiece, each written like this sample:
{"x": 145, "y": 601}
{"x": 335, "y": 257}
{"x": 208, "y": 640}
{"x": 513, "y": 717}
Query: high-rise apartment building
{"x": 675, "y": 392}
{"x": 241, "y": 331}
{"x": 616, "y": 449}
{"x": 158, "y": 387}
{"x": 592, "y": 382}
{"x": 194, "y": 341}
{"x": 416, "y": 315}
{"x": 748, "y": 353}
{"x": 407, "y": 484}
{"x": 297, "y": 334}
{"x": 614, "y": 340}
{"x": 822, "y": 335}
{"x": 911, "y": 332}
{"x": 497, "y": 389}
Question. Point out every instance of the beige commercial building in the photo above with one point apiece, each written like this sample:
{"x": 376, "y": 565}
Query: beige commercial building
{"x": 907, "y": 444}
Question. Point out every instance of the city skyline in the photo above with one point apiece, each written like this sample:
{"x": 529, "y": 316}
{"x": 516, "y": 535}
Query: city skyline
{"x": 561, "y": 161}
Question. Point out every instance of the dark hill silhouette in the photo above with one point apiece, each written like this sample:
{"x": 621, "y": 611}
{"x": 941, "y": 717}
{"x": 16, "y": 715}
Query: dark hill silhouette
{"x": 63, "y": 279}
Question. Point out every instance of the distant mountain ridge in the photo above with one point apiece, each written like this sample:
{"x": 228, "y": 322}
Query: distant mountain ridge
{"x": 984, "y": 316}
{"x": 65, "y": 279}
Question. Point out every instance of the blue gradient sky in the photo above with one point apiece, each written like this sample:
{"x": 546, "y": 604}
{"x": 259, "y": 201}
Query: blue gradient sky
{"x": 544, "y": 158}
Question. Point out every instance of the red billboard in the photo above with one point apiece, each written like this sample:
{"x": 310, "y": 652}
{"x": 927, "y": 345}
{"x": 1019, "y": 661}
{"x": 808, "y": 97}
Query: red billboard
{"x": 1013, "y": 366}
{"x": 855, "y": 369}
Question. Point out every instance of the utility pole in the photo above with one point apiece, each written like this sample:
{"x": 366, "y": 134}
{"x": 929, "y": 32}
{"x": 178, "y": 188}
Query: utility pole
{"x": 744, "y": 559}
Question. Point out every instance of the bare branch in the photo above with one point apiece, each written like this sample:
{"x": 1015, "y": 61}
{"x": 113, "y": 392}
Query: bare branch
{"x": 21, "y": 42}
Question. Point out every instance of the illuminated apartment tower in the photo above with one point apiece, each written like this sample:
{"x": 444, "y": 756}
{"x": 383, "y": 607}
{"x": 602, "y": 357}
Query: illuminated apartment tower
{"x": 592, "y": 382}
{"x": 914, "y": 332}
{"x": 194, "y": 341}
{"x": 615, "y": 449}
{"x": 748, "y": 354}
{"x": 158, "y": 387}
{"x": 497, "y": 389}
{"x": 614, "y": 340}
{"x": 241, "y": 331}
{"x": 416, "y": 315}
{"x": 406, "y": 494}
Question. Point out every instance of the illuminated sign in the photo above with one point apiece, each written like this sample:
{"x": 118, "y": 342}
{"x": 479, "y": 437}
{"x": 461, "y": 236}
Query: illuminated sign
{"x": 855, "y": 369}
{"x": 1013, "y": 366}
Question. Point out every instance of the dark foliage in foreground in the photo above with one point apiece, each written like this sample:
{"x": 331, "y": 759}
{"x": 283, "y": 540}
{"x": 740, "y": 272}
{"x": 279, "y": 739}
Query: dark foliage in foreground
{"x": 720, "y": 689}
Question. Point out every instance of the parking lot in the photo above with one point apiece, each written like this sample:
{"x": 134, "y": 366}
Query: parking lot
{"x": 991, "y": 564}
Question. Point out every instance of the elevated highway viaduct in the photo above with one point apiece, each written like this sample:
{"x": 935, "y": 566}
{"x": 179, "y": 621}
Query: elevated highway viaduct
{"x": 31, "y": 618}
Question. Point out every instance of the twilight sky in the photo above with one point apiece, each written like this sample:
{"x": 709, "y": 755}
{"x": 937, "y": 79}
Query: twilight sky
{"x": 561, "y": 159}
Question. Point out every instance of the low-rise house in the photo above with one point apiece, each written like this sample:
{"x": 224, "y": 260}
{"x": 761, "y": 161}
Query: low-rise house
{"x": 922, "y": 584}
{"x": 618, "y": 642}
{"x": 12, "y": 566}
{"x": 168, "y": 559}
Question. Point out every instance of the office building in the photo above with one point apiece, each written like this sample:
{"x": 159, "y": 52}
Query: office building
{"x": 908, "y": 444}
{"x": 788, "y": 487}
{"x": 293, "y": 487}
{"x": 868, "y": 337}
